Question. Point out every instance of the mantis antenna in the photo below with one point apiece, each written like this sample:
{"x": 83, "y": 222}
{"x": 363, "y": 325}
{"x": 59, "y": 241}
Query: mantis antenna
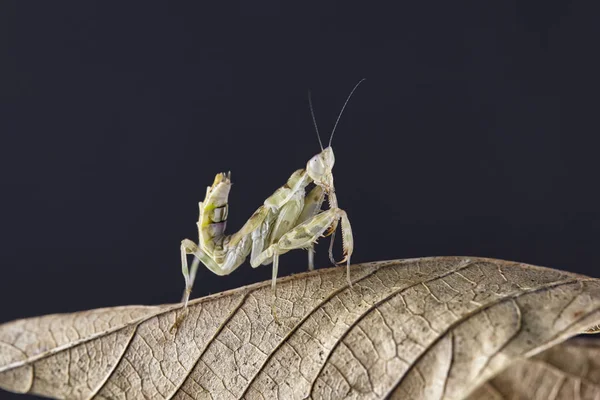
{"x": 341, "y": 112}
{"x": 314, "y": 119}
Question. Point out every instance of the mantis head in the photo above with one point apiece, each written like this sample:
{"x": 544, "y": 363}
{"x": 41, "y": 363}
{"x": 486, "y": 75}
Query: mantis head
{"x": 319, "y": 168}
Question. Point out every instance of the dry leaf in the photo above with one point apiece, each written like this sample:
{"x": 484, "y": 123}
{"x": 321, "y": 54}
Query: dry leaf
{"x": 570, "y": 370}
{"x": 412, "y": 329}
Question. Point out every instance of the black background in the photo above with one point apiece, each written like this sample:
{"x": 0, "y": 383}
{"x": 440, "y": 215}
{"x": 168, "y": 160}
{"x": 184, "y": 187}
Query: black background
{"x": 475, "y": 133}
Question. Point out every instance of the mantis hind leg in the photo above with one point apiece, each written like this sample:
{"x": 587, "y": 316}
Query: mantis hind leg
{"x": 188, "y": 247}
{"x": 234, "y": 258}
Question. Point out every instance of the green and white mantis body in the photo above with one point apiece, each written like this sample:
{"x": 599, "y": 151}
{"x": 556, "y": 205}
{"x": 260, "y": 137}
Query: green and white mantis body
{"x": 289, "y": 219}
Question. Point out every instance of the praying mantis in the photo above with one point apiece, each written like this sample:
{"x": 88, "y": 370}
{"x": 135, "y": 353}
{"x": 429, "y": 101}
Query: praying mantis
{"x": 289, "y": 219}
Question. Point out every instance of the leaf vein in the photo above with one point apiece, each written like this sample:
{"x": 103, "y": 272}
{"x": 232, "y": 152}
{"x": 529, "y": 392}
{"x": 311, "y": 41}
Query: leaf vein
{"x": 209, "y": 342}
{"x": 474, "y": 312}
{"x": 376, "y": 305}
{"x": 299, "y": 324}
{"x": 117, "y": 363}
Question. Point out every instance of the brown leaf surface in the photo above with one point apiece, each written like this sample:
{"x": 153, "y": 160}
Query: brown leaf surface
{"x": 568, "y": 371}
{"x": 425, "y": 328}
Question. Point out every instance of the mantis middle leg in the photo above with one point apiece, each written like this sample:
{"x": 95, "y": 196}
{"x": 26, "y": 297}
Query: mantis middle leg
{"x": 312, "y": 206}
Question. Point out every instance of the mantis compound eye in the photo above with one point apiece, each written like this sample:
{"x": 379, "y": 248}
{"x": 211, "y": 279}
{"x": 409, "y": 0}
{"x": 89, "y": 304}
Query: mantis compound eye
{"x": 315, "y": 166}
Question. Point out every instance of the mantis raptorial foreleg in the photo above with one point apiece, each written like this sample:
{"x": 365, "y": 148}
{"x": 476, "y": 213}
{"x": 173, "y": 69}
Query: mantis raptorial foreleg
{"x": 333, "y": 203}
{"x": 304, "y": 236}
